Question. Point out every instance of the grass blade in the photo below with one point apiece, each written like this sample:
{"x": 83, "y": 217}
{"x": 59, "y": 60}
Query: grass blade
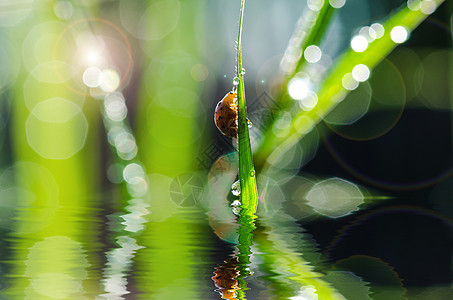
{"x": 247, "y": 179}
{"x": 310, "y": 30}
{"x": 278, "y": 141}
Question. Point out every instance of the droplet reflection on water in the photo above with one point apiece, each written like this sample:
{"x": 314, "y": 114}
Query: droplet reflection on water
{"x": 236, "y": 207}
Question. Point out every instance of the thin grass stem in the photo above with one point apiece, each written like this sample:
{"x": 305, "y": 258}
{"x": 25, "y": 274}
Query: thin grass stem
{"x": 247, "y": 179}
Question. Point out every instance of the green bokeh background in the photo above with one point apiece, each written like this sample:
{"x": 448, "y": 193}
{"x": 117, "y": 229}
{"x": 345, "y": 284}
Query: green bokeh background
{"x": 73, "y": 225}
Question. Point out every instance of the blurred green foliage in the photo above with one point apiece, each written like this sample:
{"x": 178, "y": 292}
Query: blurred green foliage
{"x": 114, "y": 181}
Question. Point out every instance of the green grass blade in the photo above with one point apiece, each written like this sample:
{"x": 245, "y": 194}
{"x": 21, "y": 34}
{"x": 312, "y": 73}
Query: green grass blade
{"x": 317, "y": 31}
{"x": 310, "y": 30}
{"x": 247, "y": 179}
{"x": 278, "y": 141}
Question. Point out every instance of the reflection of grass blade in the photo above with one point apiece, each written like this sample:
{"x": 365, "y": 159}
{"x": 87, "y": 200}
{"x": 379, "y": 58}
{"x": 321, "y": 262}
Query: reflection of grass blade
{"x": 287, "y": 271}
{"x": 246, "y": 171}
{"x": 278, "y": 141}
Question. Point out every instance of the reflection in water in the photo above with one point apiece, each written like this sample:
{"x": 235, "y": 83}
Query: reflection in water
{"x": 245, "y": 234}
{"x": 384, "y": 281}
{"x": 56, "y": 267}
{"x": 119, "y": 260}
{"x": 58, "y": 262}
{"x": 288, "y": 259}
{"x": 224, "y": 278}
{"x": 132, "y": 174}
{"x": 230, "y": 276}
{"x": 176, "y": 262}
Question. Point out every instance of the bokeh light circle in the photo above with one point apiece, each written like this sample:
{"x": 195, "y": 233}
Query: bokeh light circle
{"x": 377, "y": 30}
{"x": 49, "y": 124}
{"x": 359, "y": 43}
{"x": 110, "y": 80}
{"x": 399, "y": 34}
{"x": 361, "y": 73}
{"x": 92, "y": 77}
{"x": 312, "y": 54}
{"x": 337, "y": 3}
{"x": 133, "y": 173}
{"x": 334, "y": 197}
{"x": 299, "y": 88}
{"x": 115, "y": 106}
{"x": 428, "y": 7}
{"x": 45, "y": 72}
{"x": 37, "y": 46}
{"x": 373, "y": 108}
{"x": 348, "y": 82}
{"x": 315, "y": 5}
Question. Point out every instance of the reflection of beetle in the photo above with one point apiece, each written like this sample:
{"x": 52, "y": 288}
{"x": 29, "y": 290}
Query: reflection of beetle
{"x": 226, "y": 115}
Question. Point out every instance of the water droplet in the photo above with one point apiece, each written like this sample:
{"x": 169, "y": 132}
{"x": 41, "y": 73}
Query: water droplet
{"x": 243, "y": 71}
{"x": 236, "y": 203}
{"x": 236, "y": 210}
{"x": 236, "y": 81}
{"x": 249, "y": 123}
{"x": 236, "y": 207}
{"x": 236, "y": 188}
{"x": 252, "y": 173}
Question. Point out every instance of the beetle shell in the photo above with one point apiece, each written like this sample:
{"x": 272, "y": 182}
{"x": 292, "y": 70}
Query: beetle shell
{"x": 226, "y": 115}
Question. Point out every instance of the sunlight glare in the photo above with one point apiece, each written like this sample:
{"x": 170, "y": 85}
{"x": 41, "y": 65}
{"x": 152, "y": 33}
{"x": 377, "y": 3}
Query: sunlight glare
{"x": 359, "y": 43}
{"x": 298, "y": 88}
{"x": 399, "y": 34}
